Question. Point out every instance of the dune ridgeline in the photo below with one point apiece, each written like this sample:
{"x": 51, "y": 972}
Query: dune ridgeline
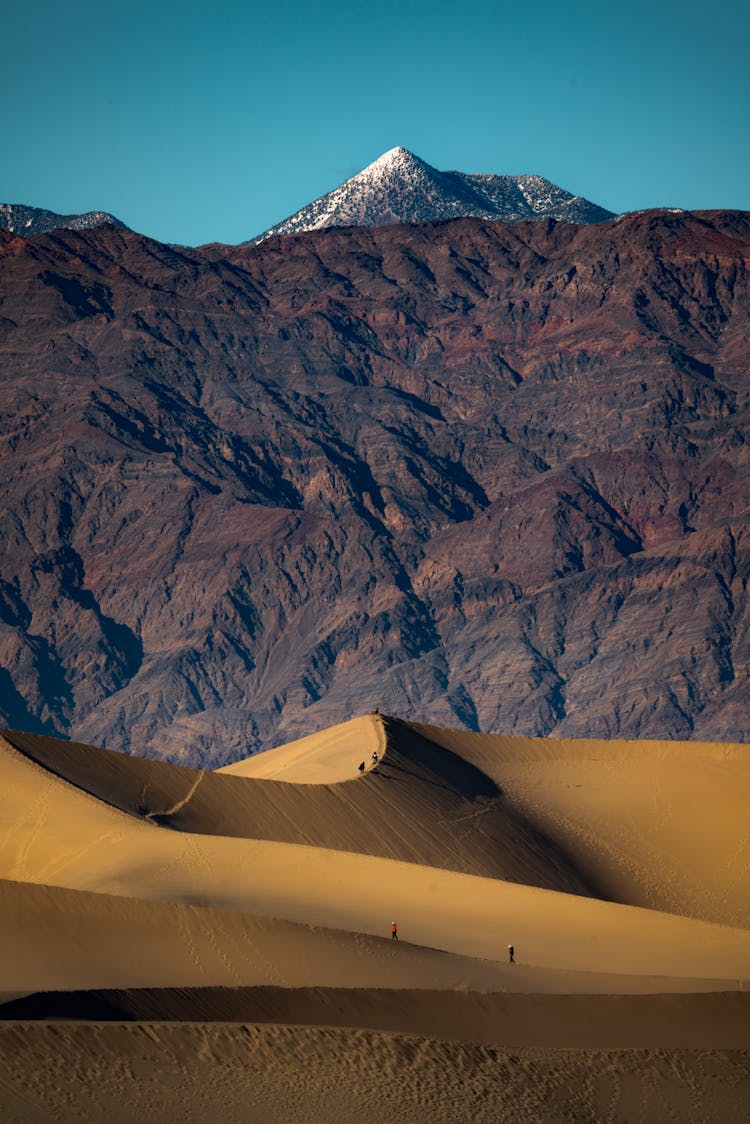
{"x": 188, "y": 945}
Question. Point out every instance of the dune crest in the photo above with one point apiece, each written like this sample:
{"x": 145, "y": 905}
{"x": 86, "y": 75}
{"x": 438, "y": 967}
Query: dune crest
{"x": 264, "y": 891}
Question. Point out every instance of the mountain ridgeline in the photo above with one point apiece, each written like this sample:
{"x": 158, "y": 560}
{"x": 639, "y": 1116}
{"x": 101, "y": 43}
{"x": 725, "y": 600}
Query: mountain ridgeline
{"x": 400, "y": 188}
{"x": 470, "y": 472}
{"x": 27, "y": 221}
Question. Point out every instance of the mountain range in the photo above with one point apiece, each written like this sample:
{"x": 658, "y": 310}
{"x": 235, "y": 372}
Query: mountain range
{"x": 479, "y": 473}
{"x": 396, "y": 188}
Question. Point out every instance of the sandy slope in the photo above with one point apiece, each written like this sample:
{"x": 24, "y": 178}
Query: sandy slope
{"x": 696, "y": 1021}
{"x": 58, "y": 939}
{"x": 247, "y": 1074}
{"x": 420, "y": 804}
{"x": 659, "y": 824}
{"x": 56, "y": 834}
{"x": 324, "y": 758}
{"x": 126, "y": 874}
{"x": 63, "y": 939}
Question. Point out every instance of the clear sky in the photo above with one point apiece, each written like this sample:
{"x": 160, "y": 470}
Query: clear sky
{"x": 196, "y": 122}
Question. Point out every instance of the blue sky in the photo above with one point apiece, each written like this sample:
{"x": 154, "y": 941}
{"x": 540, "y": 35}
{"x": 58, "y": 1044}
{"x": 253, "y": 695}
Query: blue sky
{"x": 196, "y": 122}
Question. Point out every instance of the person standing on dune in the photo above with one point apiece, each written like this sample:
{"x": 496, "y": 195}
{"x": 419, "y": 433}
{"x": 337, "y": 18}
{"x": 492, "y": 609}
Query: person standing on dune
{"x": 394, "y": 931}
{"x": 511, "y": 954}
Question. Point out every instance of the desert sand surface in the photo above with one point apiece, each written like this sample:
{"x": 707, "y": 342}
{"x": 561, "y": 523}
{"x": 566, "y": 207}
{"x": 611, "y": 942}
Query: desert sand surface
{"x": 322, "y": 758}
{"x": 195, "y": 1072}
{"x": 660, "y": 823}
{"x": 227, "y": 934}
{"x": 420, "y": 804}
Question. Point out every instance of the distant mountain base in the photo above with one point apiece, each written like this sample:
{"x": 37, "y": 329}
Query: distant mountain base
{"x": 474, "y": 473}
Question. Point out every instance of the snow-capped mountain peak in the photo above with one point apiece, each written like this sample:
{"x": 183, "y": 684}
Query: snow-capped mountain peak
{"x": 27, "y": 221}
{"x": 396, "y": 155}
{"x": 399, "y": 187}
{"x": 396, "y": 160}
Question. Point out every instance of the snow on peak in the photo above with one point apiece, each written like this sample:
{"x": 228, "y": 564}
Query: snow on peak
{"x": 399, "y": 187}
{"x": 27, "y": 221}
{"x": 395, "y": 162}
{"x": 394, "y": 155}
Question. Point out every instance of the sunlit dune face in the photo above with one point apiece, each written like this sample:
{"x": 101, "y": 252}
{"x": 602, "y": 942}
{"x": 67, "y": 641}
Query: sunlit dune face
{"x": 613, "y": 869}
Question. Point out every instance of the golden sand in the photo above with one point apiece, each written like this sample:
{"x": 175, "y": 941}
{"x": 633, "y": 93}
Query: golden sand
{"x": 263, "y": 893}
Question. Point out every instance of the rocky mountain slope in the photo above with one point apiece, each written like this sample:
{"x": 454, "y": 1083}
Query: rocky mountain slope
{"x": 473, "y": 473}
{"x": 399, "y": 187}
{"x": 26, "y": 221}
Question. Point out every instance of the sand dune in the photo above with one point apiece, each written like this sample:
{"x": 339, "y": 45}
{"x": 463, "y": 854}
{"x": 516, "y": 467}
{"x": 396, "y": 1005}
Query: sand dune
{"x": 323, "y": 758}
{"x": 70, "y": 839}
{"x": 59, "y": 939}
{"x": 264, "y": 893}
{"x": 194, "y": 1072}
{"x": 576, "y": 1021}
{"x": 421, "y": 803}
{"x": 66, "y": 939}
{"x": 659, "y": 824}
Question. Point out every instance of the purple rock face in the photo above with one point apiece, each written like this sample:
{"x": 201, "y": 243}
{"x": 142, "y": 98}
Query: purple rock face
{"x": 471, "y": 473}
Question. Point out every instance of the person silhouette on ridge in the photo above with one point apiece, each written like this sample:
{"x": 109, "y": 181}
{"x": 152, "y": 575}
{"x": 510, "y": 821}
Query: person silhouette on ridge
{"x": 394, "y": 931}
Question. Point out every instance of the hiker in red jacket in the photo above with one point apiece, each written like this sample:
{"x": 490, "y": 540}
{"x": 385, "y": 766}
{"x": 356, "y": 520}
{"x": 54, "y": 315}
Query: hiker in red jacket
{"x": 394, "y": 931}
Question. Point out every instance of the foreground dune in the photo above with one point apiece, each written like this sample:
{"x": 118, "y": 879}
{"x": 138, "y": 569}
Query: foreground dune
{"x": 195, "y": 1072}
{"x": 63, "y": 939}
{"x": 57, "y": 939}
{"x": 133, "y": 890}
{"x": 659, "y": 1021}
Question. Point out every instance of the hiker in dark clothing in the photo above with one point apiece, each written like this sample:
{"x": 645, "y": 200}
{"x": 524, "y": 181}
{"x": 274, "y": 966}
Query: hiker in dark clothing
{"x": 511, "y": 954}
{"x": 361, "y": 766}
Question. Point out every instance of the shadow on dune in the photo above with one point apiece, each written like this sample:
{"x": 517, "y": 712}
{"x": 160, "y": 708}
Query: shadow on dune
{"x": 422, "y": 803}
{"x": 715, "y": 1020}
